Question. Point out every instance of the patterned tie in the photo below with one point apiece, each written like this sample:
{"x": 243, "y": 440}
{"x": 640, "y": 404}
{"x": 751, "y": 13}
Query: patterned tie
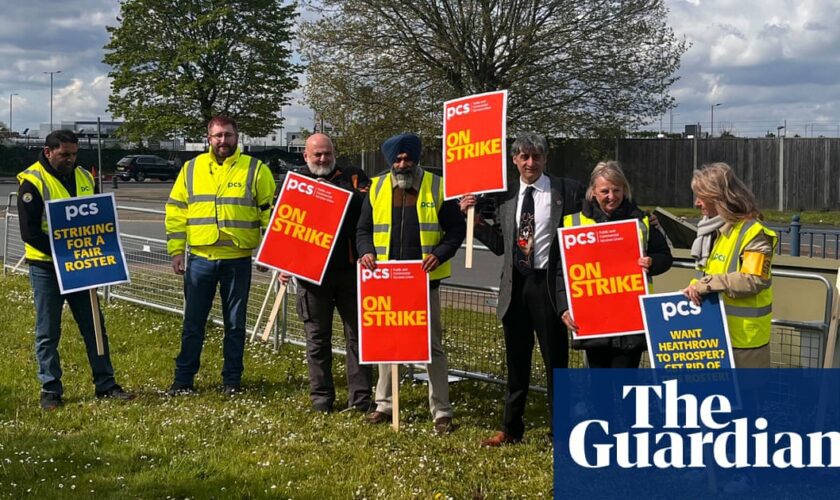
{"x": 524, "y": 248}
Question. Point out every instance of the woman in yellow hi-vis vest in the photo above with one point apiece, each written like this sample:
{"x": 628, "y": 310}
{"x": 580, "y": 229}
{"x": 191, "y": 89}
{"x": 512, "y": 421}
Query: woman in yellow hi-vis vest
{"x": 609, "y": 199}
{"x": 733, "y": 253}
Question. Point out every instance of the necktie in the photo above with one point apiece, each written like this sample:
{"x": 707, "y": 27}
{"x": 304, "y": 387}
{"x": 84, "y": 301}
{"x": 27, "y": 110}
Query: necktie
{"x": 524, "y": 247}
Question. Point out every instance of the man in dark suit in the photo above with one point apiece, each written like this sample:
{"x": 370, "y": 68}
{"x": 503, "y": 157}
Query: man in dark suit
{"x": 526, "y": 233}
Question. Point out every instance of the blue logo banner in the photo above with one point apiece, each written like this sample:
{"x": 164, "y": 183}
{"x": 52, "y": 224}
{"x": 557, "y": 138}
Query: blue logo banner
{"x": 85, "y": 241}
{"x": 683, "y": 434}
{"x": 684, "y": 336}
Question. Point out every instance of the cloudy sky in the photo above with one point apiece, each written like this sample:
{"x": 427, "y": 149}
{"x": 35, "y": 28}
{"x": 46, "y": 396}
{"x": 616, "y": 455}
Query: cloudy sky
{"x": 764, "y": 61}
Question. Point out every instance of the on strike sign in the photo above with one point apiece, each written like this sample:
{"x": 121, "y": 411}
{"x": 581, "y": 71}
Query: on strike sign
{"x": 305, "y": 221}
{"x": 474, "y": 159}
{"x": 603, "y": 278}
{"x": 394, "y": 313}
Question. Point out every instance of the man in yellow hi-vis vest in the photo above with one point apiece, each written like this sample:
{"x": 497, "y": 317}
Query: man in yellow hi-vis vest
{"x": 406, "y": 218}
{"x": 55, "y": 176}
{"x": 218, "y": 207}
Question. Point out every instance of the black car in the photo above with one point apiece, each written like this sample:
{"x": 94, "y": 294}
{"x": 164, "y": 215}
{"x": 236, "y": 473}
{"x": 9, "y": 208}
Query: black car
{"x": 141, "y": 167}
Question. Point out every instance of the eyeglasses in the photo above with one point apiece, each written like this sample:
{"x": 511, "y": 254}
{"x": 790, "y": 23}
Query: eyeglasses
{"x": 223, "y": 135}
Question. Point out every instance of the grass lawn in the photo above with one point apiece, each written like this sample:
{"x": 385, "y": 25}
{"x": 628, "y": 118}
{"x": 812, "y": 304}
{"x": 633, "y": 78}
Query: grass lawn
{"x": 264, "y": 443}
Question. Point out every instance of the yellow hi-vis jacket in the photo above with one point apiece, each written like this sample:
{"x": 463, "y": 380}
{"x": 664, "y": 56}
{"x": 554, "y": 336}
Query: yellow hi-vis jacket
{"x": 578, "y": 219}
{"x": 748, "y": 317}
{"x": 429, "y": 200}
{"x": 218, "y": 210}
{"x": 51, "y": 188}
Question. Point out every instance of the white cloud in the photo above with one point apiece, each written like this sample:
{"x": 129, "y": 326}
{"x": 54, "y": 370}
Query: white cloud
{"x": 766, "y": 61}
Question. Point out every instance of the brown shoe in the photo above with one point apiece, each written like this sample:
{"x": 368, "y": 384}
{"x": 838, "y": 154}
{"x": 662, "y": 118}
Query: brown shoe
{"x": 378, "y": 417}
{"x": 443, "y": 425}
{"x": 500, "y": 439}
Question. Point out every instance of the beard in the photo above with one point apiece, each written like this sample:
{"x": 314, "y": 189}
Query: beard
{"x": 404, "y": 179}
{"x": 321, "y": 171}
{"x": 222, "y": 151}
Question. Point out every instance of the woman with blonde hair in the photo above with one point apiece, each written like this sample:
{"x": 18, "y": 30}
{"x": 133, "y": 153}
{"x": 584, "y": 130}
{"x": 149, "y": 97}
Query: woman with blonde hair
{"x": 733, "y": 253}
{"x": 609, "y": 199}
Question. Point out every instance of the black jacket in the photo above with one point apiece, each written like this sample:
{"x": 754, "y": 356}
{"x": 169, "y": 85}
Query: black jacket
{"x": 657, "y": 249}
{"x": 344, "y": 254}
{"x": 405, "y": 235}
{"x": 30, "y": 206}
{"x": 566, "y": 196}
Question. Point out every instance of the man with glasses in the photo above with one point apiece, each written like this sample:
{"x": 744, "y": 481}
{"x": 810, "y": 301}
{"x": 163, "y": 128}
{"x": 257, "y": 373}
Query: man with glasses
{"x": 218, "y": 206}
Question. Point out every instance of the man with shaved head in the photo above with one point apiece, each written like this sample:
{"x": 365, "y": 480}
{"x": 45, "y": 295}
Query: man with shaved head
{"x": 316, "y": 303}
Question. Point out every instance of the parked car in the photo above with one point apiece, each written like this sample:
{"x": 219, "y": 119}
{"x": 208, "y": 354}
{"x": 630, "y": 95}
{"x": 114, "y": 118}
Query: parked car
{"x": 141, "y": 167}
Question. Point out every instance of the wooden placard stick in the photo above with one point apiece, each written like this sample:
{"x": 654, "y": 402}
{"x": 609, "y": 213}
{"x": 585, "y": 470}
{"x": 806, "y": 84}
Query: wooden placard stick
{"x": 395, "y": 397}
{"x": 19, "y": 262}
{"x": 274, "y": 310}
{"x": 264, "y": 304}
{"x": 97, "y": 326}
{"x": 468, "y": 258}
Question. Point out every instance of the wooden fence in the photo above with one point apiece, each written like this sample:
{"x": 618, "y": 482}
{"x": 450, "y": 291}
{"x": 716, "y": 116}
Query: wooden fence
{"x": 784, "y": 173}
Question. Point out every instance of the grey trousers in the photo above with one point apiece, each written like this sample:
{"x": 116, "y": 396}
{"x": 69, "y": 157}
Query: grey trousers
{"x": 438, "y": 370}
{"x": 315, "y": 306}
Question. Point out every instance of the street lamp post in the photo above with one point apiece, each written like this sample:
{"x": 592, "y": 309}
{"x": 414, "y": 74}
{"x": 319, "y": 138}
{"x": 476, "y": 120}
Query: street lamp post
{"x": 712, "y": 125}
{"x": 10, "y": 113}
{"x": 51, "y": 95}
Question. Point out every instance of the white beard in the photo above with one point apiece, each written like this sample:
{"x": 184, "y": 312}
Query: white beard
{"x": 321, "y": 171}
{"x": 404, "y": 180}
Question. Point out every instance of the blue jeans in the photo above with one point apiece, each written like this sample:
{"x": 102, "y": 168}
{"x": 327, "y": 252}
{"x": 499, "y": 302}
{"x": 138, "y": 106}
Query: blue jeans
{"x": 48, "y": 306}
{"x": 233, "y": 277}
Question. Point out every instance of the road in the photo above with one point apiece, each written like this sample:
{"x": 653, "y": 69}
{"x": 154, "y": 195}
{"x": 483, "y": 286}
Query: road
{"x": 152, "y": 194}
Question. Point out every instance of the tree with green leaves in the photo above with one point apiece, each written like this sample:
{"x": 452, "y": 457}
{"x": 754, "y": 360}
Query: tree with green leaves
{"x": 376, "y": 67}
{"x": 177, "y": 63}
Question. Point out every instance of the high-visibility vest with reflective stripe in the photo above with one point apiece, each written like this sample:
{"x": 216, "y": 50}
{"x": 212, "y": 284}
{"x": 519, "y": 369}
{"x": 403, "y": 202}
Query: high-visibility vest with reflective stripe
{"x": 748, "y": 317}
{"x": 212, "y": 209}
{"x": 429, "y": 200}
{"x": 578, "y": 219}
{"x": 51, "y": 188}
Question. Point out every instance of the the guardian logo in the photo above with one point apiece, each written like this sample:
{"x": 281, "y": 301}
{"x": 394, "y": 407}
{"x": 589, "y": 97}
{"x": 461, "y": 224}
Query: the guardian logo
{"x": 695, "y": 432}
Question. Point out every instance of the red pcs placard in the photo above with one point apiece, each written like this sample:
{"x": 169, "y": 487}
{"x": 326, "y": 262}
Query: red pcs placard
{"x": 394, "y": 313}
{"x": 474, "y": 156}
{"x": 603, "y": 278}
{"x": 303, "y": 227}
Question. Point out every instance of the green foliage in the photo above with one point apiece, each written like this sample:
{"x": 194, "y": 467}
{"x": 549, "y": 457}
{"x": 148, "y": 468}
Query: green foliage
{"x": 264, "y": 443}
{"x": 376, "y": 67}
{"x": 177, "y": 63}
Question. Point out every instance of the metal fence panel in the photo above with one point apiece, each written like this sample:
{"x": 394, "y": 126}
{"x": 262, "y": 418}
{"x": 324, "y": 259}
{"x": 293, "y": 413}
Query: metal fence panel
{"x": 472, "y": 336}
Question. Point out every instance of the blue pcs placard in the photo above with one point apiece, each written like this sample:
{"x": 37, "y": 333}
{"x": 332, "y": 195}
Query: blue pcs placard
{"x": 683, "y": 336}
{"x": 85, "y": 241}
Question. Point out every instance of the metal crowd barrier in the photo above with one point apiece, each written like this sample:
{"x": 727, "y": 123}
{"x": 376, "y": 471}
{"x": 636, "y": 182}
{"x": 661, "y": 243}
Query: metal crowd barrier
{"x": 473, "y": 337}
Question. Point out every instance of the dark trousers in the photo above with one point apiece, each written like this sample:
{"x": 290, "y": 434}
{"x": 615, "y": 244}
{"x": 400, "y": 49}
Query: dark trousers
{"x": 49, "y": 304}
{"x": 530, "y": 311}
{"x": 613, "y": 357}
{"x": 233, "y": 279}
{"x": 315, "y": 306}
